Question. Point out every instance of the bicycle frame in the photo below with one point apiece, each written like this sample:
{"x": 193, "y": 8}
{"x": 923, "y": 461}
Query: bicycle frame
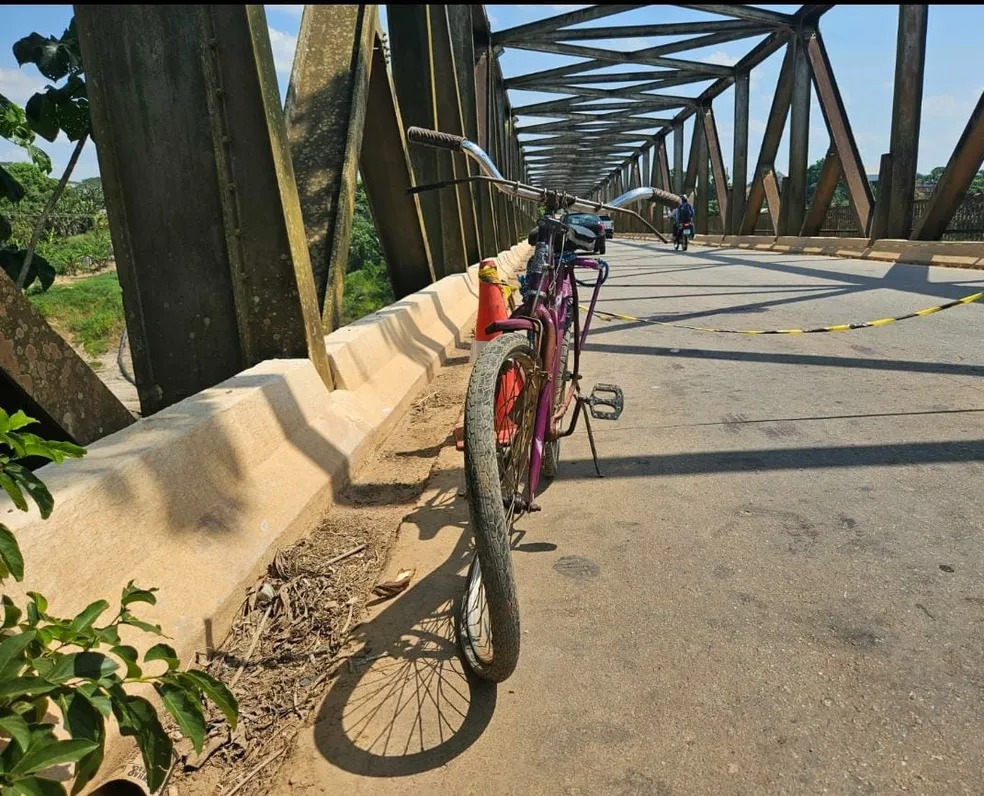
{"x": 545, "y": 322}
{"x": 557, "y": 285}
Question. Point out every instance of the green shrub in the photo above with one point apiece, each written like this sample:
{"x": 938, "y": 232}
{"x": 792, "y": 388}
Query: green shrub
{"x": 80, "y": 666}
{"x": 78, "y": 253}
{"x": 366, "y": 290}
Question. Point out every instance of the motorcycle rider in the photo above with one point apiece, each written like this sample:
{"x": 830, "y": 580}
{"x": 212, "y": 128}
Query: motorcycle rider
{"x": 683, "y": 213}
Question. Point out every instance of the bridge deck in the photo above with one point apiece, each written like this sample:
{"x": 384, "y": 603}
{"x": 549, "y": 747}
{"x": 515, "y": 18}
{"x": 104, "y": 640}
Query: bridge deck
{"x": 779, "y": 587}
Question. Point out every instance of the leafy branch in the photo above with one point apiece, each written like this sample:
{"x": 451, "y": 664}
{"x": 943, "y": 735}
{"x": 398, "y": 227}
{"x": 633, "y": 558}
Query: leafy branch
{"x": 80, "y": 666}
{"x": 47, "y": 113}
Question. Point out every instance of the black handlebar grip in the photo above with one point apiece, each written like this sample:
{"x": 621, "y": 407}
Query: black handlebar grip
{"x": 418, "y": 135}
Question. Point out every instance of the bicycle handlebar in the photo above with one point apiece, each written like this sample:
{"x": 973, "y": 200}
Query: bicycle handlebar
{"x": 456, "y": 143}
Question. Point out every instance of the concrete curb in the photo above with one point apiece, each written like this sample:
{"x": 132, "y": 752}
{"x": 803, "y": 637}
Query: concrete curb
{"x": 195, "y": 499}
{"x": 952, "y": 254}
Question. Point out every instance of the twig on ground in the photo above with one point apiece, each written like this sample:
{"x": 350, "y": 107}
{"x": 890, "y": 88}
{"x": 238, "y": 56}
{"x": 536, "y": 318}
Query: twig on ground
{"x": 346, "y": 554}
{"x": 252, "y": 646}
{"x": 256, "y": 770}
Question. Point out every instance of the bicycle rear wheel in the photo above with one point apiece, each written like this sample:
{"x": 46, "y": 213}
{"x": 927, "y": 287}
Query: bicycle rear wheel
{"x": 500, "y": 412}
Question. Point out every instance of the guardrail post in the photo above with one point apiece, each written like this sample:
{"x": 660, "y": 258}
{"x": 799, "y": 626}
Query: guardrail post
{"x": 388, "y": 176}
{"x": 739, "y": 169}
{"x": 678, "y": 158}
{"x": 910, "y": 62}
{"x": 326, "y": 113}
{"x": 717, "y": 164}
{"x": 960, "y": 171}
{"x": 469, "y": 71}
{"x": 840, "y": 131}
{"x": 794, "y": 189}
{"x": 413, "y": 76}
{"x": 42, "y": 375}
{"x": 702, "y": 203}
{"x": 770, "y": 146}
{"x": 450, "y": 119}
{"x": 203, "y": 208}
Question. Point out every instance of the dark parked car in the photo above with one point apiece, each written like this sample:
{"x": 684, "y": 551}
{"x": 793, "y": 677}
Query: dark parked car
{"x": 595, "y": 224}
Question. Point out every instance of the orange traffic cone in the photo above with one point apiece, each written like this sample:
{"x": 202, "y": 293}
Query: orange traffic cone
{"x": 491, "y": 305}
{"x": 491, "y": 308}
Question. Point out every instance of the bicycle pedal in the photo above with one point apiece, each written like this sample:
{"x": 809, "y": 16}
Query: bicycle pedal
{"x": 607, "y": 395}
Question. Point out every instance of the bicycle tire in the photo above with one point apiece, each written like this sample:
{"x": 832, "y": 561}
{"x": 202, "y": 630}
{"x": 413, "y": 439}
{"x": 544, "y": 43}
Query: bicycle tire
{"x": 492, "y": 568}
{"x": 551, "y": 450}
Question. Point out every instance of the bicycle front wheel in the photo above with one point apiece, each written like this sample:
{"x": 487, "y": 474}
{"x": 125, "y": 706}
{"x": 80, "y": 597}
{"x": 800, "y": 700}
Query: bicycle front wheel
{"x": 500, "y": 413}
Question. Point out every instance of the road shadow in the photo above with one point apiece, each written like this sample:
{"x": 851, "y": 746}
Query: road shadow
{"x": 407, "y": 703}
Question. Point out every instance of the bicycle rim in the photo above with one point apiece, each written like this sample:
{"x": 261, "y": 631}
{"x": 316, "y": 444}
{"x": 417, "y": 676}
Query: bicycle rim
{"x": 499, "y": 423}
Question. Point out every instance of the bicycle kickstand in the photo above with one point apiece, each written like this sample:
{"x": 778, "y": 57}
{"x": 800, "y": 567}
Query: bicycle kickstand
{"x": 594, "y": 451}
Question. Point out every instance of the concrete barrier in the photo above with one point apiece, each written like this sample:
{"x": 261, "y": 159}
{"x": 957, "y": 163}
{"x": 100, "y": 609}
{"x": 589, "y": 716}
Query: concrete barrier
{"x": 195, "y": 499}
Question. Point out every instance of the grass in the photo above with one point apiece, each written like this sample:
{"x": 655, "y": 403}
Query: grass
{"x": 89, "y": 311}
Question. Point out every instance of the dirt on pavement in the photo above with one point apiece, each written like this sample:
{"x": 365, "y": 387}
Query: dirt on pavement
{"x": 290, "y": 638}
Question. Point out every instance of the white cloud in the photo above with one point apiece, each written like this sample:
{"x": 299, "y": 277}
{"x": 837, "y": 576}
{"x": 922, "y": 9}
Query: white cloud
{"x": 18, "y": 85}
{"x": 721, "y": 58}
{"x": 294, "y": 11}
{"x": 283, "y": 46}
{"x": 947, "y": 106}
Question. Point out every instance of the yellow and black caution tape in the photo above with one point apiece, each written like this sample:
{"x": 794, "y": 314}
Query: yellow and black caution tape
{"x": 843, "y": 327}
{"x": 490, "y": 275}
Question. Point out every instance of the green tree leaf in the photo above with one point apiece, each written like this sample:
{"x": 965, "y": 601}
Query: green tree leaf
{"x": 62, "y": 668}
{"x": 215, "y": 690}
{"x": 17, "y": 729}
{"x": 12, "y": 646}
{"x": 39, "y": 601}
{"x": 137, "y": 718}
{"x": 162, "y": 652}
{"x": 34, "y": 486}
{"x": 57, "y": 452}
{"x": 41, "y": 756}
{"x": 129, "y": 656}
{"x": 11, "y": 488}
{"x": 129, "y": 619}
{"x": 133, "y": 594}
{"x": 25, "y": 686}
{"x": 187, "y": 711}
{"x": 10, "y": 188}
{"x": 42, "y": 114}
{"x": 83, "y": 720}
{"x": 11, "y": 613}
{"x": 36, "y": 786}
{"x": 53, "y": 57}
{"x": 18, "y": 420}
{"x": 96, "y": 697}
{"x": 10, "y": 555}
{"x": 87, "y": 618}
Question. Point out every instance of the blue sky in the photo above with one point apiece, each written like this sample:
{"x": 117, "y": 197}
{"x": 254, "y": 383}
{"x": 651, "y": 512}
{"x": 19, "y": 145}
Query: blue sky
{"x": 860, "y": 39}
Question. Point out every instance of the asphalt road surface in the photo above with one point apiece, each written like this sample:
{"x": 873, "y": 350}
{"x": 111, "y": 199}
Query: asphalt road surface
{"x": 778, "y": 587}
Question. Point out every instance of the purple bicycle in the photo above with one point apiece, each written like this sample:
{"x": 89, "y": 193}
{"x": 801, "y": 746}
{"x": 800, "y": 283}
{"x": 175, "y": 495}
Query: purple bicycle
{"x": 523, "y": 386}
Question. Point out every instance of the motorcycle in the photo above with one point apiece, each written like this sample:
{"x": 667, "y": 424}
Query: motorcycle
{"x": 685, "y": 231}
